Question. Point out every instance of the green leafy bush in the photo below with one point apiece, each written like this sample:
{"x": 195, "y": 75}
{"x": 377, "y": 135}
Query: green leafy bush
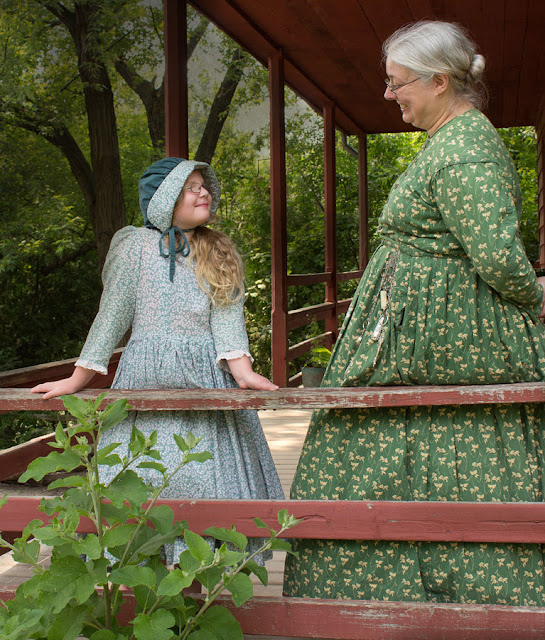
{"x": 80, "y": 593}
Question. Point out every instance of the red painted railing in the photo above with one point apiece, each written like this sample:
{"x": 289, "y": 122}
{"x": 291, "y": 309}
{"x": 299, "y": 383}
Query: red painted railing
{"x": 368, "y": 520}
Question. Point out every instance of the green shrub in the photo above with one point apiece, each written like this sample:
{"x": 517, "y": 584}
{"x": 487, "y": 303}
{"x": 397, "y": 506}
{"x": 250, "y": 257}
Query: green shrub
{"x": 80, "y": 593}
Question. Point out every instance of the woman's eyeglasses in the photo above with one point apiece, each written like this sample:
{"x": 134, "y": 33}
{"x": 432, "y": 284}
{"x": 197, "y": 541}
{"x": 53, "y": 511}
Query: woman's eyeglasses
{"x": 395, "y": 87}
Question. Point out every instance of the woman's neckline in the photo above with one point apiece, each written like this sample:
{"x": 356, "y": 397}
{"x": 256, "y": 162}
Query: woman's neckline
{"x": 445, "y": 124}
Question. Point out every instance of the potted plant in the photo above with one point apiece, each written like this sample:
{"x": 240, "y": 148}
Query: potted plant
{"x": 313, "y": 372}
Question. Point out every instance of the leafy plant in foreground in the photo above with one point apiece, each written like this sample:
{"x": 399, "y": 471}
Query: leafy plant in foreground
{"x": 81, "y": 592}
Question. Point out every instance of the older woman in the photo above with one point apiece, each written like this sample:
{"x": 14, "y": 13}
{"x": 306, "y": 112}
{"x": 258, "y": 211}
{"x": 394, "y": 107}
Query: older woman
{"x": 448, "y": 298}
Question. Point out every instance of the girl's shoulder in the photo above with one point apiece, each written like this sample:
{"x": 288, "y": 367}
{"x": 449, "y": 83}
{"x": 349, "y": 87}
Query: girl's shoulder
{"x": 133, "y": 236}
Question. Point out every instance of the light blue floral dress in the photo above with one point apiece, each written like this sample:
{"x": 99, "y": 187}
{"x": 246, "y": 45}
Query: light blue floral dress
{"x": 178, "y": 341}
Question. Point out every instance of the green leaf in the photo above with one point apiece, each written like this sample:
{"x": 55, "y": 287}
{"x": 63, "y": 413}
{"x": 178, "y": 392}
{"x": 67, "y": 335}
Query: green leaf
{"x": 280, "y": 545}
{"x": 137, "y": 442}
{"x": 203, "y": 456}
{"x": 221, "y": 623}
{"x": 88, "y": 546}
{"x": 192, "y": 441}
{"x": 20, "y": 622}
{"x": 152, "y": 465}
{"x": 77, "y": 407}
{"x": 113, "y": 414}
{"x": 259, "y": 571}
{"x": 228, "y": 535}
{"x": 209, "y": 578}
{"x": 188, "y": 562}
{"x": 231, "y": 558}
{"x": 200, "y": 634}
{"x": 241, "y": 588}
{"x": 3, "y": 500}
{"x": 174, "y": 583}
{"x": 104, "y": 634}
{"x": 162, "y": 517}
{"x": 70, "y": 518}
{"x": 128, "y": 486}
{"x": 153, "y": 542}
{"x": 68, "y": 623}
{"x": 60, "y": 435}
{"x": 27, "y": 553}
{"x": 198, "y": 547}
{"x": 133, "y": 576}
{"x": 70, "y": 481}
{"x": 110, "y": 461}
{"x": 263, "y": 525}
{"x": 182, "y": 444}
{"x": 70, "y": 579}
{"x": 105, "y": 451}
{"x": 118, "y": 535}
{"x": 155, "y": 626}
{"x": 145, "y": 597}
{"x": 66, "y": 461}
{"x": 98, "y": 569}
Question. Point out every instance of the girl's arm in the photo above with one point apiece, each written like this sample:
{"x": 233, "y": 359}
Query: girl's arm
{"x": 120, "y": 277}
{"x": 233, "y": 352}
{"x": 77, "y": 381}
{"x": 246, "y": 377}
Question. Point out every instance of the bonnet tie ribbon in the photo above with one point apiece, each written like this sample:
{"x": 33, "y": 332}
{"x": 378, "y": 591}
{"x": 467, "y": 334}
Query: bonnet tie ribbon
{"x": 172, "y": 249}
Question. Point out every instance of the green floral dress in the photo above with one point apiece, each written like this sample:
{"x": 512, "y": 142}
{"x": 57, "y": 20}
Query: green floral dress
{"x": 448, "y": 298}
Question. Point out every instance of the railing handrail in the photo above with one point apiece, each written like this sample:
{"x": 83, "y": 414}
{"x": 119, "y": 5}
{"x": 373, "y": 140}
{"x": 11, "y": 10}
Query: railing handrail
{"x": 18, "y": 399}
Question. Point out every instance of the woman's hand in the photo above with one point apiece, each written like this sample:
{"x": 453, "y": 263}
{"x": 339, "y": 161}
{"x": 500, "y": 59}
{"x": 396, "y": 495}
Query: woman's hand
{"x": 66, "y": 386}
{"x": 246, "y": 377}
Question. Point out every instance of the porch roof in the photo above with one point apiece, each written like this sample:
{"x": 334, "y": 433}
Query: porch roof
{"x": 332, "y": 50}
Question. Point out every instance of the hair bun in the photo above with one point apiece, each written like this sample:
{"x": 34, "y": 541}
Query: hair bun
{"x": 476, "y": 69}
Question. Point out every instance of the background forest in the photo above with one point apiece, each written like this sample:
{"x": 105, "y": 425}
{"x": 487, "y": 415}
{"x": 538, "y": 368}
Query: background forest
{"x": 81, "y": 117}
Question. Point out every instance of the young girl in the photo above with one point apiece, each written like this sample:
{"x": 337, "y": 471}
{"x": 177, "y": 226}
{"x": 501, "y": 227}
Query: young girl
{"x": 179, "y": 285}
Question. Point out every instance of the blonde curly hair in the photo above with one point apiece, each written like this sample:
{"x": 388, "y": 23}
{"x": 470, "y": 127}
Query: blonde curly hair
{"x": 218, "y": 266}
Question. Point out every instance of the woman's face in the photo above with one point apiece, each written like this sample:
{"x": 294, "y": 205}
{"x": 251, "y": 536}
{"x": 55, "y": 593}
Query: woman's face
{"x": 421, "y": 104}
{"x": 192, "y": 209}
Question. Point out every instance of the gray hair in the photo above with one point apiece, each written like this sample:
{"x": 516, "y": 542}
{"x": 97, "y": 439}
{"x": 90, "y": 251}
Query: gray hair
{"x": 432, "y": 47}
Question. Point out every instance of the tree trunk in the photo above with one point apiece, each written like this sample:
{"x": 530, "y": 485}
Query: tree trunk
{"x": 108, "y": 207}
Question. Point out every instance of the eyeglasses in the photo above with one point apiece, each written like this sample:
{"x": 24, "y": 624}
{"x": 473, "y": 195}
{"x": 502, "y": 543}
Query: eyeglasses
{"x": 396, "y": 87}
{"x": 195, "y": 187}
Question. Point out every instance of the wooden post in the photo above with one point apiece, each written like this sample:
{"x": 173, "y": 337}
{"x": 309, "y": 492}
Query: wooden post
{"x": 176, "y": 103}
{"x": 540, "y": 131}
{"x": 330, "y": 199}
{"x": 363, "y": 200}
{"x": 279, "y": 258}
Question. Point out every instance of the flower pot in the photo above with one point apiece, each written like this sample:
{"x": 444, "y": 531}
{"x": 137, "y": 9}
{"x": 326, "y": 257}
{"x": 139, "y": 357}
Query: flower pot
{"x": 312, "y": 376}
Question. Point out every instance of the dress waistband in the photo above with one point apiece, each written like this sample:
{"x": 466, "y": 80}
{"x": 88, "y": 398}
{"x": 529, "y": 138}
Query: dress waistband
{"x": 413, "y": 251}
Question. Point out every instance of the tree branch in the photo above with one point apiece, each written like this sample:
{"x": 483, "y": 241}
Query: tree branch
{"x": 220, "y": 107}
{"x": 59, "y": 136}
{"x": 196, "y": 36}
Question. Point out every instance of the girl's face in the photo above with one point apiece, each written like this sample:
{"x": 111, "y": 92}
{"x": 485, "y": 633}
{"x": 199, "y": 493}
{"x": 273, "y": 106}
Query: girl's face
{"x": 192, "y": 209}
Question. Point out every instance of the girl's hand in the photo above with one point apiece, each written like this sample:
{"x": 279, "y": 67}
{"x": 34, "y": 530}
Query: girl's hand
{"x": 66, "y": 386}
{"x": 241, "y": 369}
{"x": 255, "y": 381}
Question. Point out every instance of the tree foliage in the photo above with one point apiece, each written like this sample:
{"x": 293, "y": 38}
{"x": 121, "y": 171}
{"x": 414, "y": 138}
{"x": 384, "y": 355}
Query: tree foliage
{"x": 57, "y": 201}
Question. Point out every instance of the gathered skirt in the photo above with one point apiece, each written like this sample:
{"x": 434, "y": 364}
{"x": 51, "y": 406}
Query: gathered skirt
{"x": 241, "y": 467}
{"x": 443, "y": 325}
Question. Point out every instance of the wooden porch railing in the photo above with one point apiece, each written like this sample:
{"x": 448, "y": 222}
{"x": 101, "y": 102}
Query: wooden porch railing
{"x": 367, "y": 520}
{"x": 328, "y": 311}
